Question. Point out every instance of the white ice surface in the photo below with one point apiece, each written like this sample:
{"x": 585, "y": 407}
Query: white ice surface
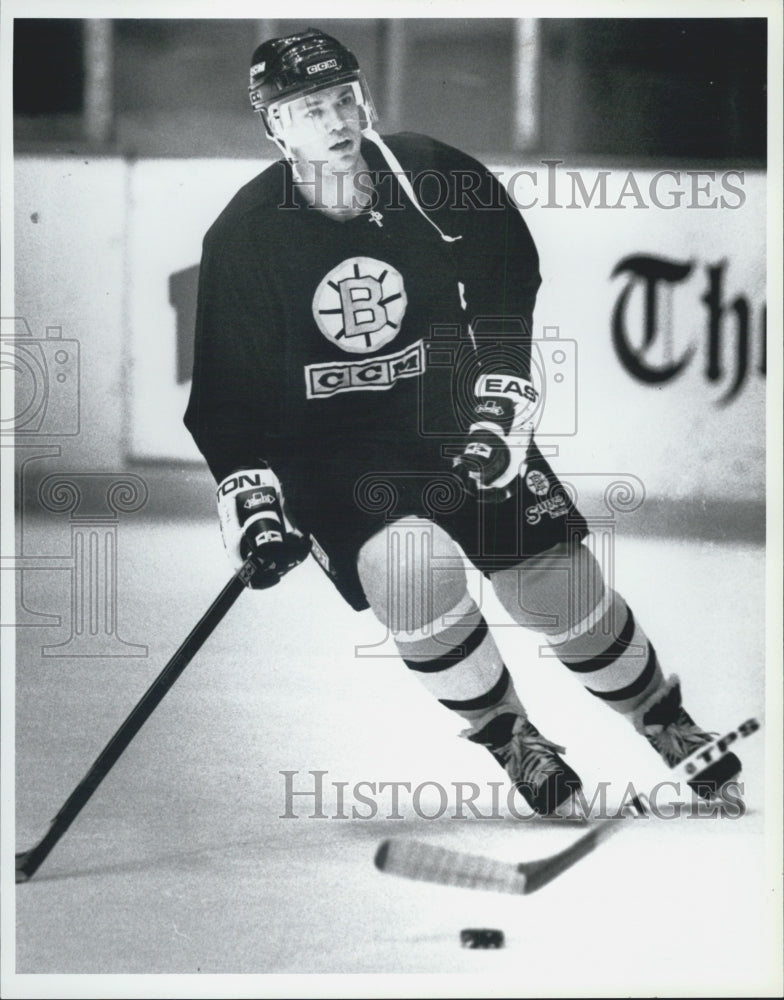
{"x": 181, "y": 863}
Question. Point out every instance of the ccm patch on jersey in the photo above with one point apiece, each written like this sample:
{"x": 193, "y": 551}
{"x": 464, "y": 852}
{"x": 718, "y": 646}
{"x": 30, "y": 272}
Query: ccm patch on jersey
{"x": 357, "y": 376}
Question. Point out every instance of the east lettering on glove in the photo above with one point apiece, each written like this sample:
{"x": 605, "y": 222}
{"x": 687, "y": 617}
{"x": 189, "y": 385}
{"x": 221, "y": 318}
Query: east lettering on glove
{"x": 495, "y": 450}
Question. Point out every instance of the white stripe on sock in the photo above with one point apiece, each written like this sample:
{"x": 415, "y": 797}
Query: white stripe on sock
{"x": 590, "y": 621}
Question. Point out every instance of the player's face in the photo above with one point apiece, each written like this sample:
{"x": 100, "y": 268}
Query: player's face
{"x": 325, "y": 126}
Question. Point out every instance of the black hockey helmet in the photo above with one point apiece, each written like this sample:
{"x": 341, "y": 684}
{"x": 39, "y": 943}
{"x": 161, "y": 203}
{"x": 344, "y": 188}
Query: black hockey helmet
{"x": 287, "y": 68}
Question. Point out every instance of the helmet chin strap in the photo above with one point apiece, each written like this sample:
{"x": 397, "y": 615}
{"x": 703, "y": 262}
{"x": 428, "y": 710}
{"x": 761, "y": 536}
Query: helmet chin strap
{"x": 404, "y": 182}
{"x": 289, "y": 156}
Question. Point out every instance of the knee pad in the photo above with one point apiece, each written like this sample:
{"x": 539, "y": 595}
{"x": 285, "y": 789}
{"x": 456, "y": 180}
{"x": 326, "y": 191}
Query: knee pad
{"x": 415, "y": 582}
{"x": 554, "y": 591}
{"x": 412, "y": 574}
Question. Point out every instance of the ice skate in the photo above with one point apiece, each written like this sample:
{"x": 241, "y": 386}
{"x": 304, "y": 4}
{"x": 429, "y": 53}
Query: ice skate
{"x": 672, "y": 732}
{"x": 532, "y": 762}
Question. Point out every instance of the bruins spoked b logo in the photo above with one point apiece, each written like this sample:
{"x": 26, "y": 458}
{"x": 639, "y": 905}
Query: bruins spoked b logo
{"x": 359, "y": 305}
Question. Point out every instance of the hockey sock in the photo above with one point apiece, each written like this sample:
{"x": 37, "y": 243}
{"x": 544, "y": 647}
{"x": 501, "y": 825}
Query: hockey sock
{"x": 562, "y": 594}
{"x": 457, "y": 660}
{"x": 415, "y": 582}
{"x": 611, "y": 655}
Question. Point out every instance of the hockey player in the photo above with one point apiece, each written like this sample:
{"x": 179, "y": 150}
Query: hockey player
{"x": 363, "y": 371}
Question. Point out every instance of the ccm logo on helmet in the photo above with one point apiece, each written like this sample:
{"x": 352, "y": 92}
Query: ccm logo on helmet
{"x": 357, "y": 376}
{"x": 319, "y": 67}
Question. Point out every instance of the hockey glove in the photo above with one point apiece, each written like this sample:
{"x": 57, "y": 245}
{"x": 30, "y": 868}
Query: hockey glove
{"x": 497, "y": 445}
{"x": 252, "y": 523}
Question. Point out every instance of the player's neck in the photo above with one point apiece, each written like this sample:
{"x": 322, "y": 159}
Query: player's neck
{"x": 335, "y": 193}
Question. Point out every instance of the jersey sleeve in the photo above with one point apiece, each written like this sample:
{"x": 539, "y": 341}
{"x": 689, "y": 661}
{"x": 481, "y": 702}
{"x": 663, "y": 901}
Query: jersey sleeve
{"x": 499, "y": 270}
{"x": 231, "y": 412}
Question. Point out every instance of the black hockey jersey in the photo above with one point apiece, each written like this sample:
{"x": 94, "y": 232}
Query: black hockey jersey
{"x": 332, "y": 348}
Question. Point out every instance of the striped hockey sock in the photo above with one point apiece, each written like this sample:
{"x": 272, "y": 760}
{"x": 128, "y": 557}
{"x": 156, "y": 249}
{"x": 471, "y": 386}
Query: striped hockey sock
{"x": 611, "y": 655}
{"x": 457, "y": 660}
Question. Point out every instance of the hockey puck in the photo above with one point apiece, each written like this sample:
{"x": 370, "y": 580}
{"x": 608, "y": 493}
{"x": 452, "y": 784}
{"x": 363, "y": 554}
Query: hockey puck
{"x": 481, "y": 937}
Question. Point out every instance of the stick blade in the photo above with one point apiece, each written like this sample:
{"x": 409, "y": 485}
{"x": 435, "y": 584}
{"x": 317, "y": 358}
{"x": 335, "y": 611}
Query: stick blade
{"x": 430, "y": 863}
{"x": 539, "y": 873}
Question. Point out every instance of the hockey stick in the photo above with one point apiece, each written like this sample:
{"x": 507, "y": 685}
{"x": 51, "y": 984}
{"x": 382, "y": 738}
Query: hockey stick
{"x": 430, "y": 863}
{"x": 28, "y": 862}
